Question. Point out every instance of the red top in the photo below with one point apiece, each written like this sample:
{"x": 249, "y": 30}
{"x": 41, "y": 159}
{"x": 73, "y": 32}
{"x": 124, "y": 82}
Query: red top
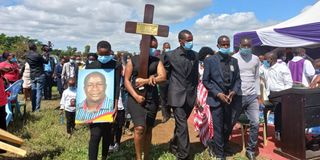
{"x": 3, "y": 95}
{"x": 13, "y": 75}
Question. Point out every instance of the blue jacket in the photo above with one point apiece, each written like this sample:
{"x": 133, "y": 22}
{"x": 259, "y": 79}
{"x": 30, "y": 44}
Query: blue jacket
{"x": 213, "y": 78}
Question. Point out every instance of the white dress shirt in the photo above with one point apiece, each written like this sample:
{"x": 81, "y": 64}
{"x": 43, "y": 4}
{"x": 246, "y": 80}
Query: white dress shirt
{"x": 277, "y": 77}
{"x": 308, "y": 70}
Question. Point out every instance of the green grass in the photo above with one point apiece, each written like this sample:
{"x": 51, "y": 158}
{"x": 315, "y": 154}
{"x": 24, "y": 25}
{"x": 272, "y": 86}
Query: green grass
{"x": 45, "y": 138}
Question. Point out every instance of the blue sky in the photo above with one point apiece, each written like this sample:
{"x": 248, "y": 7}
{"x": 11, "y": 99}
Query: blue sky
{"x": 81, "y": 22}
{"x": 265, "y": 10}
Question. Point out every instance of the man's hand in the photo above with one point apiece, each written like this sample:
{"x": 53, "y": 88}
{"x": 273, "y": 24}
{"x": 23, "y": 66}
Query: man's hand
{"x": 314, "y": 83}
{"x": 61, "y": 111}
{"x": 231, "y": 95}
{"x": 139, "y": 99}
{"x": 224, "y": 98}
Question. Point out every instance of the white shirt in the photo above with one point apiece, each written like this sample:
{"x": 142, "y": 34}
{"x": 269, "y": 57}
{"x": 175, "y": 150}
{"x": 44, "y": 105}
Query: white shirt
{"x": 66, "y": 98}
{"x": 277, "y": 77}
{"x": 249, "y": 74}
{"x": 308, "y": 70}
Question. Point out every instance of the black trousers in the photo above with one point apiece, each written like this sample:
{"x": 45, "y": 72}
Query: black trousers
{"x": 47, "y": 89}
{"x": 276, "y": 102}
{"x": 3, "y": 115}
{"x": 165, "y": 109}
{"x": 117, "y": 127}
{"x": 181, "y": 142}
{"x": 70, "y": 116}
{"x": 222, "y": 123}
{"x": 98, "y": 131}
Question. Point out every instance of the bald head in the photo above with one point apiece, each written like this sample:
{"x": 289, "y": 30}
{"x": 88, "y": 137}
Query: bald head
{"x": 245, "y": 42}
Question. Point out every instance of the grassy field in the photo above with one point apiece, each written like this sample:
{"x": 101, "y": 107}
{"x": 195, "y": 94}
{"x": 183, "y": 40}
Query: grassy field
{"x": 45, "y": 138}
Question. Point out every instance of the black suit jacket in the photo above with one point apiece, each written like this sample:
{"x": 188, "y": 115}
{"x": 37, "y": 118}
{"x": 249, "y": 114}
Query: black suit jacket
{"x": 183, "y": 80}
{"x": 213, "y": 78}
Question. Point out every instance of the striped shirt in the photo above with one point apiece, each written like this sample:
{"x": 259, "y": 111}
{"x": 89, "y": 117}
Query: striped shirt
{"x": 86, "y": 116}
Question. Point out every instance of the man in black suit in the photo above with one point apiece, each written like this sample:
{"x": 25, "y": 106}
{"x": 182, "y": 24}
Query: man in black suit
{"x": 222, "y": 79}
{"x": 183, "y": 67}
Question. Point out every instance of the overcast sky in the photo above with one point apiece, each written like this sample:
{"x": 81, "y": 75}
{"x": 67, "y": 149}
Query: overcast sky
{"x": 80, "y": 22}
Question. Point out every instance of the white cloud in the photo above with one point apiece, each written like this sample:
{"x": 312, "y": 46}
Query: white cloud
{"x": 81, "y": 22}
{"x": 208, "y": 28}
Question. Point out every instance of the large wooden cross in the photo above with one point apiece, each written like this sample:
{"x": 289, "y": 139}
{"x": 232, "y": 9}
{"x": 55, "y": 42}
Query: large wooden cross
{"x": 146, "y": 29}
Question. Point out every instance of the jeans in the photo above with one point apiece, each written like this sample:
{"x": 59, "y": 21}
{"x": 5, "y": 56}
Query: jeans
{"x": 251, "y": 109}
{"x": 36, "y": 87}
{"x": 59, "y": 86}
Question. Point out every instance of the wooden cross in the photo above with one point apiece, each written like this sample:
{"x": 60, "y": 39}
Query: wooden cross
{"x": 146, "y": 29}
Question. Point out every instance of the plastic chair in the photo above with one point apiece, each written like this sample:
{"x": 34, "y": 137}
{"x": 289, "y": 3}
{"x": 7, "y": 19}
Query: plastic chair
{"x": 14, "y": 90}
{"x": 244, "y": 121}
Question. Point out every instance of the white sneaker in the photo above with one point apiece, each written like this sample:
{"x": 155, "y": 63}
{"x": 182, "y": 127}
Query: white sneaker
{"x": 111, "y": 148}
{"x": 116, "y": 147}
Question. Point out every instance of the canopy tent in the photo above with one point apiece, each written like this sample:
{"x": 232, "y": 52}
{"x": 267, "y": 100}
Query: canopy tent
{"x": 300, "y": 31}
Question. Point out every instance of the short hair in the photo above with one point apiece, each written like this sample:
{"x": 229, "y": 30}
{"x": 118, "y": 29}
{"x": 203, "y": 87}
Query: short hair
{"x": 166, "y": 43}
{"x": 273, "y": 55}
{"x": 104, "y": 44}
{"x": 71, "y": 78}
{"x": 44, "y": 46}
{"x": 204, "y": 51}
{"x": 153, "y": 38}
{"x": 5, "y": 54}
{"x": 93, "y": 74}
{"x": 32, "y": 46}
{"x": 221, "y": 37}
{"x": 298, "y": 51}
{"x": 93, "y": 55}
{"x": 182, "y": 34}
{"x": 244, "y": 38}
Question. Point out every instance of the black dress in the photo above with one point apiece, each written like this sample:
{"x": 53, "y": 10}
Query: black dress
{"x": 144, "y": 115}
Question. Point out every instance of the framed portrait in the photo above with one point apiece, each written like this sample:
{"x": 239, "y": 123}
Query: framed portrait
{"x": 95, "y": 96}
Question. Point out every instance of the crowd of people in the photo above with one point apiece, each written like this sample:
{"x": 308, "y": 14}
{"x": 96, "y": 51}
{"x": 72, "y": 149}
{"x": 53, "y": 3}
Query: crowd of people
{"x": 222, "y": 85}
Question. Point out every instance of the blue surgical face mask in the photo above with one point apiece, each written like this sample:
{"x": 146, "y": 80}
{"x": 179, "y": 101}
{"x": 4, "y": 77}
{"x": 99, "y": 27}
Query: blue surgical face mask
{"x": 245, "y": 51}
{"x": 266, "y": 64}
{"x": 90, "y": 61}
{"x": 152, "y": 51}
{"x": 224, "y": 50}
{"x": 105, "y": 59}
{"x": 14, "y": 59}
{"x": 71, "y": 61}
{"x": 188, "y": 45}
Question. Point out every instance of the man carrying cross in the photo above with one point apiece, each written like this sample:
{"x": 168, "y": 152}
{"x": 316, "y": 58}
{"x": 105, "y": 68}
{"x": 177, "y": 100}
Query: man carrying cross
{"x": 182, "y": 91}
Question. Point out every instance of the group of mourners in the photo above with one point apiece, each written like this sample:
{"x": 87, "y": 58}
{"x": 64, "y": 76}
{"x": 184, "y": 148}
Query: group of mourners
{"x": 222, "y": 85}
